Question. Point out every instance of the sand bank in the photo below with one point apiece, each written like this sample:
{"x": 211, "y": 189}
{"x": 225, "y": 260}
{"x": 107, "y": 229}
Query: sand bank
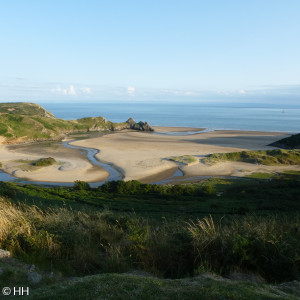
{"x": 176, "y": 129}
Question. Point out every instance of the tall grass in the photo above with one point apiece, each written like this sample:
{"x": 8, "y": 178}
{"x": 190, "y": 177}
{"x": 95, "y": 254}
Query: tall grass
{"x": 265, "y": 245}
{"x": 77, "y": 242}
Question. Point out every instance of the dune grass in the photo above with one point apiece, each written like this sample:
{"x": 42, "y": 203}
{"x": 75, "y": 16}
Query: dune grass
{"x": 185, "y": 159}
{"x": 268, "y": 157}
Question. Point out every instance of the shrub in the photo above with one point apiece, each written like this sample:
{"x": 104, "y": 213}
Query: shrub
{"x": 81, "y": 185}
{"x": 43, "y": 162}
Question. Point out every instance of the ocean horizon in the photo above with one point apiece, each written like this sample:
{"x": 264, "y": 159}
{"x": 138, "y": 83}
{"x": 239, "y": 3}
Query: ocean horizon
{"x": 221, "y": 116}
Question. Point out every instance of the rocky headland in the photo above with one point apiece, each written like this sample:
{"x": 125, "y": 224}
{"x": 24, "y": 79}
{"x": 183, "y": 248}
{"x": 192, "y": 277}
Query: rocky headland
{"x": 26, "y": 122}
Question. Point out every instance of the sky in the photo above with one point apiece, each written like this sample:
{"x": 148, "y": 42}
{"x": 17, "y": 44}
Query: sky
{"x": 150, "y": 50}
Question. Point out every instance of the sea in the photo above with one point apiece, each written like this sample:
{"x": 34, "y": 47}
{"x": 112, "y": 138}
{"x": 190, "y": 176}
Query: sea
{"x": 216, "y": 116}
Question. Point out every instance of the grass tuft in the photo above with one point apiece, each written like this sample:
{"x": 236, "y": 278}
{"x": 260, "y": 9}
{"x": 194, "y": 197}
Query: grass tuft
{"x": 185, "y": 159}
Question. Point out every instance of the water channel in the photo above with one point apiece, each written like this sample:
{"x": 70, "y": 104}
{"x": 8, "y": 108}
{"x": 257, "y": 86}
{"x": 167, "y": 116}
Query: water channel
{"x": 91, "y": 155}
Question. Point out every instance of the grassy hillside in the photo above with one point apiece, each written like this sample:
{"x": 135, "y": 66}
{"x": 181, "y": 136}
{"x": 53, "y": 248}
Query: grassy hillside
{"x": 23, "y": 108}
{"x": 269, "y": 157}
{"x": 21, "y": 122}
{"x": 220, "y": 225}
{"x": 168, "y": 231}
{"x": 292, "y": 142}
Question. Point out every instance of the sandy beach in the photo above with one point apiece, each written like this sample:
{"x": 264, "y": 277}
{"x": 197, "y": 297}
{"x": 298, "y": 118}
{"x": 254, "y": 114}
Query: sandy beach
{"x": 145, "y": 156}
{"x": 140, "y": 156}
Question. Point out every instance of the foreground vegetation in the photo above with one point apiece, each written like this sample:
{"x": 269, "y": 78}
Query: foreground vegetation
{"x": 221, "y": 226}
{"x": 268, "y": 157}
{"x": 170, "y": 231}
{"x": 128, "y": 286}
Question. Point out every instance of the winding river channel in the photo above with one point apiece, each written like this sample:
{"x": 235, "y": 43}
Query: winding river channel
{"x": 91, "y": 156}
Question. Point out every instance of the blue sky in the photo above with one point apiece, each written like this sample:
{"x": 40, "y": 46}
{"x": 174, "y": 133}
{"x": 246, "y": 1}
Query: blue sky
{"x": 150, "y": 50}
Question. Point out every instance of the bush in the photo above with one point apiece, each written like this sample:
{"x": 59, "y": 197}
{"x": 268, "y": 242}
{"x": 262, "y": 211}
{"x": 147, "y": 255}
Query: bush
{"x": 44, "y": 162}
{"x": 81, "y": 185}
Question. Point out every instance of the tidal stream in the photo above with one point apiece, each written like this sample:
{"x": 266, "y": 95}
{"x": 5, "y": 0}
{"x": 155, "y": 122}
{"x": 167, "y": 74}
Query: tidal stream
{"x": 91, "y": 156}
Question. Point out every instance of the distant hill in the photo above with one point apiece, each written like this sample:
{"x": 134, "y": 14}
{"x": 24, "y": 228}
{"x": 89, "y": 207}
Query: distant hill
{"x": 292, "y": 142}
{"x": 22, "y": 122}
{"x": 23, "y": 108}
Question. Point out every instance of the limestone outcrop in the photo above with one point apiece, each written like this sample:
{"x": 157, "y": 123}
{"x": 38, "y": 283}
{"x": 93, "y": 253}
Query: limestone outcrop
{"x": 143, "y": 126}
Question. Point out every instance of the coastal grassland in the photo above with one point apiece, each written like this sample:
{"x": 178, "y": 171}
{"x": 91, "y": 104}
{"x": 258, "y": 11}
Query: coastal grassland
{"x": 270, "y": 176}
{"x": 39, "y": 128}
{"x": 24, "y": 108}
{"x": 268, "y": 157}
{"x": 21, "y": 122}
{"x": 89, "y": 242}
{"x": 185, "y": 159}
{"x": 220, "y": 225}
{"x": 32, "y": 128}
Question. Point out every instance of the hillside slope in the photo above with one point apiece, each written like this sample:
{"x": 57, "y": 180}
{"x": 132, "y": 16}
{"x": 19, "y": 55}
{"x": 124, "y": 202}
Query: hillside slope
{"x": 24, "y": 108}
{"x": 22, "y": 122}
{"x": 292, "y": 142}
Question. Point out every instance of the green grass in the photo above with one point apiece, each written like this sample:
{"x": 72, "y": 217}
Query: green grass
{"x": 121, "y": 226}
{"x": 268, "y": 157}
{"x": 44, "y": 162}
{"x": 91, "y": 241}
{"x": 24, "y": 108}
{"x": 125, "y": 286}
{"x": 185, "y": 159}
{"x": 219, "y": 226}
{"x": 291, "y": 172}
{"x": 258, "y": 175}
